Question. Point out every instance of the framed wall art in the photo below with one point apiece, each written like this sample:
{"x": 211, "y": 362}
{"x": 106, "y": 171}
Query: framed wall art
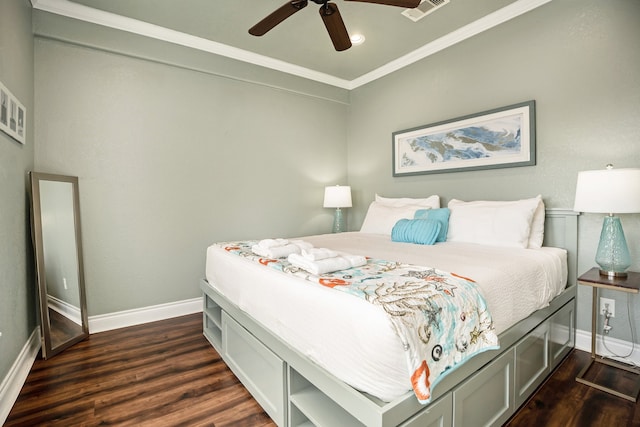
{"x": 13, "y": 115}
{"x": 499, "y": 138}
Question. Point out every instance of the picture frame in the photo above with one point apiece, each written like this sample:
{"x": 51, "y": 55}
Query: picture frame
{"x": 13, "y": 115}
{"x": 503, "y": 137}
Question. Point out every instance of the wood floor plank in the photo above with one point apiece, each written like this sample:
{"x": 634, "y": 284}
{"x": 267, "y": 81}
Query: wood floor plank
{"x": 563, "y": 402}
{"x": 167, "y": 374}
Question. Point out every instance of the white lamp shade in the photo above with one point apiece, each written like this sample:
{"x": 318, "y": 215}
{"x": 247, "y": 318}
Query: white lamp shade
{"x": 337, "y": 196}
{"x": 608, "y": 191}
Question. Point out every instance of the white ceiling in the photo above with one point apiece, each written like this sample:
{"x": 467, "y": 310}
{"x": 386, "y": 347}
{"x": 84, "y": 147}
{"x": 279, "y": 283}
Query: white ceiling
{"x": 299, "y": 45}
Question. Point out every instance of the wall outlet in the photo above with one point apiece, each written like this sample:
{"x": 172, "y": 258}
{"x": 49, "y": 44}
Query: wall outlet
{"x": 608, "y": 304}
{"x": 64, "y": 283}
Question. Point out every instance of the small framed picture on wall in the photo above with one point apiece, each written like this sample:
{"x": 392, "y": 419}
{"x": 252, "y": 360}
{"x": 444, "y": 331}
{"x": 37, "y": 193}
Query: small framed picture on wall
{"x": 13, "y": 115}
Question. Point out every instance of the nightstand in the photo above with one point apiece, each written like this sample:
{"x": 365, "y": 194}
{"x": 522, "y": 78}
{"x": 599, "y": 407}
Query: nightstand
{"x": 630, "y": 284}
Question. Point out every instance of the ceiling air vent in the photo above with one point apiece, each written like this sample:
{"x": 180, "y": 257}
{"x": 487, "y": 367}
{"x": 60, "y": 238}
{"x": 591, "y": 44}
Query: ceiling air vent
{"x": 423, "y": 9}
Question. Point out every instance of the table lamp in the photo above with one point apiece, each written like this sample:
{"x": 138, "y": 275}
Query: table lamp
{"x": 610, "y": 191}
{"x": 337, "y": 197}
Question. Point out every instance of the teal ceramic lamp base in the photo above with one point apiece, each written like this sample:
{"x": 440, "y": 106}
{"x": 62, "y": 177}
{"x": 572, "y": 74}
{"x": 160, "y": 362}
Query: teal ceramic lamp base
{"x": 337, "y": 197}
{"x": 338, "y": 222}
{"x": 613, "y": 254}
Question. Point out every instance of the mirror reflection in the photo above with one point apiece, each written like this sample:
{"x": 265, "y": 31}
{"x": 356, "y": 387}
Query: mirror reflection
{"x": 57, "y": 242}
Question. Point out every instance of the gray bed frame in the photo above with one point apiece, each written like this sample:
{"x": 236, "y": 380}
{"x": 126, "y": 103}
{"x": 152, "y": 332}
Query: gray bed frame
{"x": 486, "y": 390}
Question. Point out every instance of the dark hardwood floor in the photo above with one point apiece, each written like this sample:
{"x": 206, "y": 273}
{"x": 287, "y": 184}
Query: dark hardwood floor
{"x": 166, "y": 374}
{"x": 157, "y": 374}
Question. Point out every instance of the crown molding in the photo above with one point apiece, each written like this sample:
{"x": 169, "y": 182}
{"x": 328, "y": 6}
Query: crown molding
{"x": 134, "y": 26}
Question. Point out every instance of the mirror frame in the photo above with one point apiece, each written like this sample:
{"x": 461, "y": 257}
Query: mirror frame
{"x": 36, "y": 219}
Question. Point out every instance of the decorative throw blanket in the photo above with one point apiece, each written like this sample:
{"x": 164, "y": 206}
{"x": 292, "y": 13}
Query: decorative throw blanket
{"x": 441, "y": 318}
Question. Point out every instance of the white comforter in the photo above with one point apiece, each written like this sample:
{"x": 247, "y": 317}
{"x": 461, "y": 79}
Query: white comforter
{"x": 352, "y": 338}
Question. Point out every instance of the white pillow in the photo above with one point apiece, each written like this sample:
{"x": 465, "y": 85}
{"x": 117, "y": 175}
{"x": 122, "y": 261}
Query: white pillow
{"x": 492, "y": 223}
{"x": 432, "y": 202}
{"x": 381, "y": 218}
{"x": 537, "y": 226}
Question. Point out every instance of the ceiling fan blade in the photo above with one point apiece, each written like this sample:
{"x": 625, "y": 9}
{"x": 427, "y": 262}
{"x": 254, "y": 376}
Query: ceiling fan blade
{"x": 277, "y": 17}
{"x": 409, "y": 4}
{"x": 335, "y": 26}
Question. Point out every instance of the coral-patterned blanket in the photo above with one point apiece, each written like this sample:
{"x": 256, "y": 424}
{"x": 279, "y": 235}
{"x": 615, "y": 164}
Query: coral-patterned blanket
{"x": 441, "y": 318}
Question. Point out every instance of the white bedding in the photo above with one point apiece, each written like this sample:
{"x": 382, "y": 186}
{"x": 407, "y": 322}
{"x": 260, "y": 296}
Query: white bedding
{"x": 352, "y": 338}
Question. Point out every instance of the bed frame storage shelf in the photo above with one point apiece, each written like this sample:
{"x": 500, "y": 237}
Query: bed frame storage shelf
{"x": 437, "y": 414}
{"x": 532, "y": 356}
{"x": 472, "y": 408}
{"x": 562, "y": 334}
{"x": 295, "y": 392}
{"x": 308, "y": 406}
{"x": 260, "y": 370}
{"x": 212, "y": 322}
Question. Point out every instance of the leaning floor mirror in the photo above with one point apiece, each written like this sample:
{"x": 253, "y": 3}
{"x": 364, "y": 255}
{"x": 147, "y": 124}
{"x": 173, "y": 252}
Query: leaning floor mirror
{"x": 59, "y": 266}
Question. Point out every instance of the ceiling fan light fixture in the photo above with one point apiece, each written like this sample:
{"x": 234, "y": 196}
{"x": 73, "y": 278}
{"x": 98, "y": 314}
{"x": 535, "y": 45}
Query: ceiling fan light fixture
{"x": 357, "y": 39}
{"x": 330, "y": 17}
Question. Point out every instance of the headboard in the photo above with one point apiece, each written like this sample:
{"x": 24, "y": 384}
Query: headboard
{"x": 561, "y": 230}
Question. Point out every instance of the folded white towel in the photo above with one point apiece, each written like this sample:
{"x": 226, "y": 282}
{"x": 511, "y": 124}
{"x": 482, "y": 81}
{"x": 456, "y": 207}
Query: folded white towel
{"x": 327, "y": 265}
{"x": 316, "y": 254}
{"x": 355, "y": 260}
{"x": 304, "y": 246}
{"x": 274, "y": 250}
{"x": 271, "y": 243}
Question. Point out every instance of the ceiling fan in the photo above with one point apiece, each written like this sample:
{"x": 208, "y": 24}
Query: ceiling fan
{"x": 330, "y": 16}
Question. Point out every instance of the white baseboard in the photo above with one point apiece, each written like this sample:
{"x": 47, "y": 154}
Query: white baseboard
{"x": 69, "y": 311}
{"x": 616, "y": 346}
{"x": 15, "y": 379}
{"x": 138, "y": 316}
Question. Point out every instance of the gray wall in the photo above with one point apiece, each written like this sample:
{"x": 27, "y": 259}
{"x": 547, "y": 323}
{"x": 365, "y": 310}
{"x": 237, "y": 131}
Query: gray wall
{"x": 578, "y": 59}
{"x": 172, "y": 158}
{"x": 17, "y": 288}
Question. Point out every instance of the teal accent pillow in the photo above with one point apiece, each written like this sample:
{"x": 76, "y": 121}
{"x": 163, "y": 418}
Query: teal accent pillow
{"x": 441, "y": 215}
{"x": 420, "y": 231}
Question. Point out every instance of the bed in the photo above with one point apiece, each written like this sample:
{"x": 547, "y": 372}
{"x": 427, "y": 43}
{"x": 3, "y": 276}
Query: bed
{"x": 313, "y": 356}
